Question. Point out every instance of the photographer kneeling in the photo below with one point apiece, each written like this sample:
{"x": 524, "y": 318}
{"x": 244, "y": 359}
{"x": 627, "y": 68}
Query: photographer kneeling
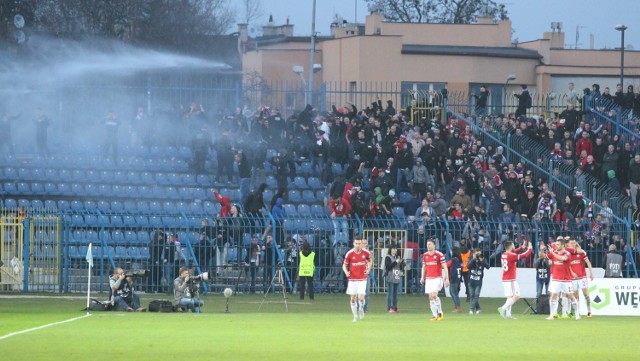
{"x": 122, "y": 296}
{"x": 185, "y": 290}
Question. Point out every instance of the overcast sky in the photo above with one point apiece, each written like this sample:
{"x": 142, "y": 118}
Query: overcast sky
{"x": 530, "y": 18}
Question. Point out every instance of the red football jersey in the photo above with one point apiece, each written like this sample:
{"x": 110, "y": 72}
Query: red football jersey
{"x": 509, "y": 263}
{"x": 577, "y": 264}
{"x": 434, "y": 264}
{"x": 357, "y": 263}
{"x": 560, "y": 270}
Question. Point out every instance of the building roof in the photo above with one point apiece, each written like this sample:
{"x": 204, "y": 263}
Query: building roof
{"x": 495, "y": 52}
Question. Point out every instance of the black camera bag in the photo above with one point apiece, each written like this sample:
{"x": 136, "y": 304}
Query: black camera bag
{"x": 161, "y": 306}
{"x": 95, "y": 305}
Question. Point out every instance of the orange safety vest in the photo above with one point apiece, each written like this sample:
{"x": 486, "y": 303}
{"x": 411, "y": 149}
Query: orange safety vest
{"x": 465, "y": 260}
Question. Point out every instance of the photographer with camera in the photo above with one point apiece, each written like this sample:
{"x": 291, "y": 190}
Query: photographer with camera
{"x": 394, "y": 268}
{"x": 185, "y": 291}
{"x": 477, "y": 264}
{"x": 122, "y": 296}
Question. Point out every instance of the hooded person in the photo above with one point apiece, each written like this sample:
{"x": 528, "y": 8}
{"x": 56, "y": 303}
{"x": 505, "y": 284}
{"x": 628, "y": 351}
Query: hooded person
{"x": 613, "y": 182}
{"x": 278, "y": 211}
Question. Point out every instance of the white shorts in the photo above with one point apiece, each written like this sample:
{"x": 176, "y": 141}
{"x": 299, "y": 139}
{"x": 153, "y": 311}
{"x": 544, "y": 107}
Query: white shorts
{"x": 357, "y": 288}
{"x": 432, "y": 285}
{"x": 580, "y": 283}
{"x": 511, "y": 288}
{"x": 560, "y": 286}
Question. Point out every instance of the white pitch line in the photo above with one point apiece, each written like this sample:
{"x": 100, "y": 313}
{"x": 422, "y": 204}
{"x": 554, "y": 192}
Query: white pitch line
{"x": 43, "y": 326}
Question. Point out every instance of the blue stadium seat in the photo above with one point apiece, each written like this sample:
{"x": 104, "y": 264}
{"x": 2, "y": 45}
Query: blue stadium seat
{"x": 37, "y": 204}
{"x": 196, "y": 208}
{"x": 182, "y": 207}
{"x": 117, "y": 207}
{"x": 91, "y": 190}
{"x": 64, "y": 189}
{"x": 200, "y": 193}
{"x": 107, "y": 177}
{"x": 171, "y": 192}
{"x": 130, "y": 237}
{"x": 144, "y": 253}
{"x": 24, "y": 174}
{"x": 93, "y": 176}
{"x": 121, "y": 252}
{"x": 184, "y": 192}
{"x": 267, "y": 195}
{"x": 77, "y": 189}
{"x": 116, "y": 221}
{"x": 308, "y": 196}
{"x": 104, "y": 190}
{"x": 162, "y": 179}
{"x": 155, "y": 207}
{"x": 10, "y": 203}
{"x": 232, "y": 255}
{"x": 49, "y": 204}
{"x": 305, "y": 168}
{"x": 77, "y": 220}
{"x": 294, "y": 196}
{"x": 188, "y": 179}
{"x": 51, "y": 175}
{"x": 65, "y": 175}
{"x": 38, "y": 174}
{"x": 159, "y": 192}
{"x": 90, "y": 206}
{"x": 143, "y": 237}
{"x": 129, "y": 206}
{"x": 147, "y": 178}
{"x": 142, "y": 206}
{"x": 174, "y": 178}
{"x": 185, "y": 152}
{"x": 130, "y": 191}
{"x": 289, "y": 225}
{"x": 300, "y": 183}
{"x": 290, "y": 210}
{"x": 62, "y": 205}
{"x": 10, "y": 188}
{"x": 203, "y": 180}
{"x": 168, "y": 207}
{"x": 133, "y": 178}
{"x": 155, "y": 221}
{"x": 77, "y": 206}
{"x": 168, "y": 222}
{"x": 271, "y": 182}
{"x": 145, "y": 192}
{"x": 336, "y": 169}
{"x": 117, "y": 236}
{"x": 119, "y": 176}
{"x": 37, "y": 188}
{"x": 117, "y": 190}
{"x": 317, "y": 210}
{"x": 79, "y": 175}
{"x": 300, "y": 225}
{"x": 23, "y": 188}
{"x": 104, "y": 206}
{"x": 304, "y": 210}
{"x": 314, "y": 183}
{"x": 320, "y": 194}
{"x": 211, "y": 207}
{"x": 73, "y": 252}
{"x": 24, "y": 203}
{"x": 11, "y": 173}
{"x": 129, "y": 221}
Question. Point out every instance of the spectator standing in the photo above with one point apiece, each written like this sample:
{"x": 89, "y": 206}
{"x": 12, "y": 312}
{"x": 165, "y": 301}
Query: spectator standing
{"x": 481, "y": 101}
{"x": 614, "y": 263}
{"x": 542, "y": 264}
{"x": 524, "y": 101}
{"x": 394, "y": 267}
{"x": 306, "y": 269}
{"x": 455, "y": 277}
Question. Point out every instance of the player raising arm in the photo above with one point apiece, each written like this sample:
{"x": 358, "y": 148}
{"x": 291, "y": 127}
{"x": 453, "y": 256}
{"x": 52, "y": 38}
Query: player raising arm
{"x": 561, "y": 278}
{"x": 510, "y": 260}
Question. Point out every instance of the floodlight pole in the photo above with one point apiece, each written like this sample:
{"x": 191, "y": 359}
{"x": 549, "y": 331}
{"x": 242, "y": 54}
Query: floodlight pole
{"x": 311, "y": 56}
{"x": 621, "y": 28}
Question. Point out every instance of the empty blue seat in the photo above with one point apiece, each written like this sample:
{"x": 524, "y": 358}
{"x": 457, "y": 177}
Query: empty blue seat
{"x": 182, "y": 207}
{"x": 117, "y": 236}
{"x": 300, "y": 183}
{"x": 90, "y": 206}
{"x": 171, "y": 192}
{"x": 37, "y": 188}
{"x": 117, "y": 206}
{"x": 38, "y": 174}
{"x": 169, "y": 207}
{"x": 294, "y": 196}
{"x": 130, "y": 237}
{"x": 184, "y": 192}
{"x": 129, "y": 206}
{"x": 189, "y": 179}
{"x": 134, "y": 253}
{"x": 65, "y": 175}
{"x": 23, "y": 188}
{"x": 107, "y": 176}
{"x": 10, "y": 188}
{"x": 121, "y": 252}
{"x": 24, "y": 173}
{"x": 304, "y": 210}
{"x": 11, "y": 173}
{"x": 77, "y": 206}
{"x": 203, "y": 180}
{"x": 174, "y": 178}
{"x": 271, "y": 182}
{"x": 155, "y": 221}
{"x": 305, "y": 168}
{"x": 63, "y": 205}
{"x": 77, "y": 189}
{"x": 64, "y": 189}
{"x": 104, "y": 206}
{"x": 314, "y": 183}
{"x": 308, "y": 196}
{"x": 142, "y": 206}
{"x": 104, "y": 190}
{"x": 142, "y": 221}
{"x": 155, "y": 207}
{"x": 143, "y": 237}
{"x": 398, "y": 212}
{"x": 130, "y": 191}
{"x": 162, "y": 178}
{"x": 51, "y": 175}
{"x": 196, "y": 207}
{"x": 144, "y": 253}
{"x": 317, "y": 210}
{"x": 116, "y": 221}
{"x": 49, "y": 204}
{"x": 336, "y": 168}
{"x": 129, "y": 221}
{"x": 200, "y": 193}
{"x": 290, "y": 210}
{"x": 79, "y": 175}
{"x": 133, "y": 177}
{"x": 37, "y": 204}
{"x": 147, "y": 178}
{"x": 77, "y": 220}
{"x": 91, "y": 190}
{"x": 92, "y": 176}
{"x": 117, "y": 190}
{"x": 145, "y": 192}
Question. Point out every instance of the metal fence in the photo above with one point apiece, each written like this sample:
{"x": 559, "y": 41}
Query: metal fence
{"x": 55, "y": 246}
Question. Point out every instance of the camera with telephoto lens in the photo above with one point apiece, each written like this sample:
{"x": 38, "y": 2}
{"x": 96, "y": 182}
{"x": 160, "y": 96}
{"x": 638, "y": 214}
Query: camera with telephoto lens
{"x": 201, "y": 277}
{"x": 138, "y": 273}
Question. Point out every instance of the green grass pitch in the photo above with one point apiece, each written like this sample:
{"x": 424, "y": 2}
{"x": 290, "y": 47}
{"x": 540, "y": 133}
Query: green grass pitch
{"x": 312, "y": 330}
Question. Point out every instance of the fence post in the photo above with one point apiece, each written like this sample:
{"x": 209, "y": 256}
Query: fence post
{"x": 148, "y": 92}
{"x": 238, "y": 94}
{"x": 65, "y": 262}
{"x": 508, "y": 148}
{"x": 447, "y": 237}
{"x": 277, "y": 254}
{"x": 323, "y": 96}
{"x": 25, "y": 254}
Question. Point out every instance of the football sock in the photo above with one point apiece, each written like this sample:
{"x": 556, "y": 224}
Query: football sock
{"x": 508, "y": 304}
{"x": 553, "y": 306}
{"x": 576, "y": 306}
{"x": 588, "y": 300}
{"x": 434, "y": 308}
{"x": 354, "y": 309}
{"x": 439, "y": 305}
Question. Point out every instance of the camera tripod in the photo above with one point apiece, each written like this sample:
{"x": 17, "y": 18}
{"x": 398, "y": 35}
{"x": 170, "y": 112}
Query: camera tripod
{"x": 277, "y": 277}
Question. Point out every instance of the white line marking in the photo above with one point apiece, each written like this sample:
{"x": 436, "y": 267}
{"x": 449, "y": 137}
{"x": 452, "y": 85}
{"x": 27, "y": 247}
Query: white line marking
{"x": 41, "y": 327}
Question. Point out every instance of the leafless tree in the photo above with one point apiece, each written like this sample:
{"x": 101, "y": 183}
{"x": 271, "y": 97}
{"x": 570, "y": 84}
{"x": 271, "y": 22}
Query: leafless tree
{"x": 437, "y": 11}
